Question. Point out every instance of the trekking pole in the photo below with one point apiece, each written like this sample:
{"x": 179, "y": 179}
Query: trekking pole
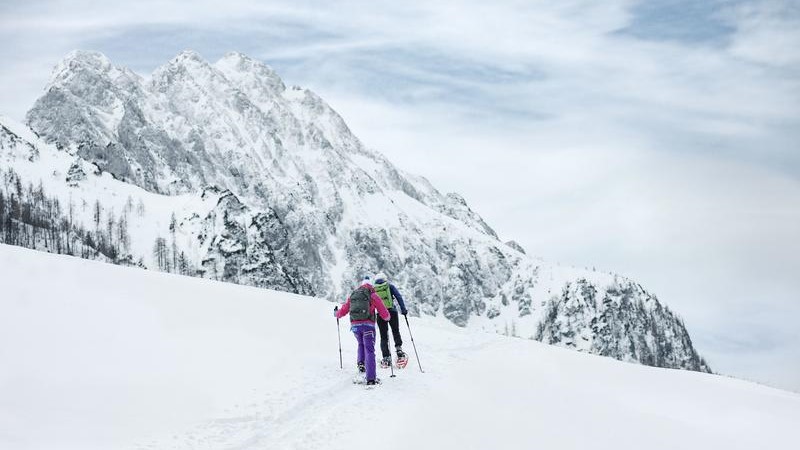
{"x": 391, "y": 366}
{"x": 412, "y": 343}
{"x": 339, "y": 335}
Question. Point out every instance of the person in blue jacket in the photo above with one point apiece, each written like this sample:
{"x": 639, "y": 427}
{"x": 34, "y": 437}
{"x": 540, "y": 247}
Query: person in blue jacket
{"x": 391, "y": 299}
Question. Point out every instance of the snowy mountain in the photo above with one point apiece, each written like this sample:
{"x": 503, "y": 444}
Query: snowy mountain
{"x": 221, "y": 171}
{"x": 107, "y": 357}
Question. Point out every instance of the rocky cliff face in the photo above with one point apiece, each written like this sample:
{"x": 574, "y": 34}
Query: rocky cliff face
{"x": 291, "y": 199}
{"x": 620, "y": 320}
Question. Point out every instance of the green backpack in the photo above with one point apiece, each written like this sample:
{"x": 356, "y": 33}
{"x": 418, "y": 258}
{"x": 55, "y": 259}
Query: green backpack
{"x": 359, "y": 304}
{"x": 383, "y": 291}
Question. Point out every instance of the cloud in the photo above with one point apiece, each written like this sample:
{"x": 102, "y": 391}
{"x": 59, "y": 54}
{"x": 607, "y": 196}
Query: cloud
{"x": 656, "y": 139}
{"x": 680, "y": 20}
{"x": 768, "y": 34}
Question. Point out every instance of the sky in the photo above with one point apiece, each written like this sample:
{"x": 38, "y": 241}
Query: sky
{"x": 656, "y": 139}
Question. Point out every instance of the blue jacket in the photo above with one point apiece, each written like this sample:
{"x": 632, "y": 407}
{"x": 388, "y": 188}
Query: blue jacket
{"x": 396, "y": 294}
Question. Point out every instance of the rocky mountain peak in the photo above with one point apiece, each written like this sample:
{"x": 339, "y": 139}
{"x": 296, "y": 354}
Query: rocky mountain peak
{"x": 289, "y": 198}
{"x": 79, "y": 69}
{"x": 188, "y": 55}
{"x": 187, "y": 68}
{"x": 238, "y": 62}
{"x": 79, "y": 60}
{"x": 253, "y": 78}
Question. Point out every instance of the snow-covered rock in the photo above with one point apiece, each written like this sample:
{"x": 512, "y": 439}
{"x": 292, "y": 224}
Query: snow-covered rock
{"x": 516, "y": 246}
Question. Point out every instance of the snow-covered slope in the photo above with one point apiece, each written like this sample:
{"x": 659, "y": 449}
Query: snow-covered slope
{"x": 101, "y": 356}
{"x": 221, "y": 171}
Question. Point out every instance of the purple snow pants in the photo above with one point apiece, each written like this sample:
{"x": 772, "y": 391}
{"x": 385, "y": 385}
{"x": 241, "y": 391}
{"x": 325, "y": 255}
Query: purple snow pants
{"x": 365, "y": 335}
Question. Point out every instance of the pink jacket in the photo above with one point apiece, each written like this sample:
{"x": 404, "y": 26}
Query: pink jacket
{"x": 375, "y": 303}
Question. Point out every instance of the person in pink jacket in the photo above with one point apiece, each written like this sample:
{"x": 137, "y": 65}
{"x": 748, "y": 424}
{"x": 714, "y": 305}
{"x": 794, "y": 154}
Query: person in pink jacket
{"x": 361, "y": 305}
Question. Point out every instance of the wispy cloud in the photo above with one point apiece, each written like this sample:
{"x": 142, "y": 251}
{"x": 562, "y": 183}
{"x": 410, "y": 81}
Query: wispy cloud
{"x": 681, "y": 20}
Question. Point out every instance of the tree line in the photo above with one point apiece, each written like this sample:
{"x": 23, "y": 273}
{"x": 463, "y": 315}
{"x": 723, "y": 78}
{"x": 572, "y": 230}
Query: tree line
{"x": 31, "y": 218}
{"x": 167, "y": 256}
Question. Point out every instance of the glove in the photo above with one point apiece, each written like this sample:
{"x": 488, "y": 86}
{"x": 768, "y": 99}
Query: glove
{"x": 404, "y": 312}
{"x": 335, "y": 310}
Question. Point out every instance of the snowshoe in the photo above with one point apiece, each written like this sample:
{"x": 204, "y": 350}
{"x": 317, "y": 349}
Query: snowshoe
{"x": 386, "y": 362}
{"x": 402, "y": 359}
{"x": 363, "y": 381}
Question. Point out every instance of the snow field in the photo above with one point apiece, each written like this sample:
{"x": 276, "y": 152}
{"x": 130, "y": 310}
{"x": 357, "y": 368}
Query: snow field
{"x": 102, "y": 356}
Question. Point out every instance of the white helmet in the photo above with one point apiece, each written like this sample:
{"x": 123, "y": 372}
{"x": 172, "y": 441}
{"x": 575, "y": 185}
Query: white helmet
{"x": 380, "y": 276}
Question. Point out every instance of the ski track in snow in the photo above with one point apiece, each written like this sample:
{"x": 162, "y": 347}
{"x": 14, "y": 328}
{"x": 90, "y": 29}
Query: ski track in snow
{"x": 270, "y": 418}
{"x": 309, "y": 418}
